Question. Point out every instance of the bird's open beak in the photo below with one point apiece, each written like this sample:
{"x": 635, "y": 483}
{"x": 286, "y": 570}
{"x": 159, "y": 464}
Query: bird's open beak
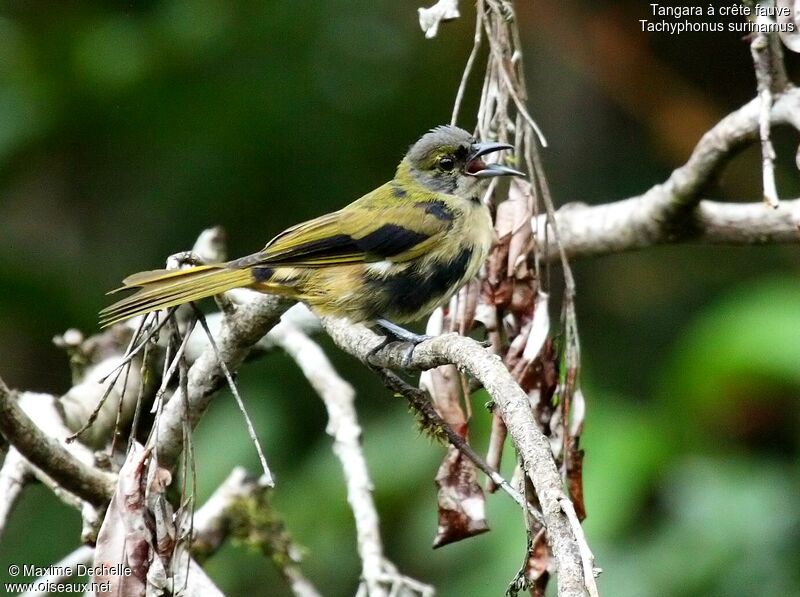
{"x": 479, "y": 169}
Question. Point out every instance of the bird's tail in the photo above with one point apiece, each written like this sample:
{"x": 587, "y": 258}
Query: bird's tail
{"x": 161, "y": 289}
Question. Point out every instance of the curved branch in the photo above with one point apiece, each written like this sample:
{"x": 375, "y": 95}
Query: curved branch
{"x": 49, "y": 455}
{"x": 513, "y": 407}
{"x": 343, "y": 427}
{"x": 627, "y": 225}
{"x": 673, "y": 211}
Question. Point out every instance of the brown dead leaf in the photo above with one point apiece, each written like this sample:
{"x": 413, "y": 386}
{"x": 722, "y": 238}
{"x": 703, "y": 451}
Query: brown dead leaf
{"x": 537, "y": 571}
{"x": 574, "y": 466}
{"x": 461, "y": 501}
{"x": 497, "y": 289}
{"x": 468, "y": 298}
{"x": 124, "y": 542}
{"x": 462, "y": 505}
{"x": 444, "y": 386}
{"x": 519, "y": 202}
{"x": 137, "y": 538}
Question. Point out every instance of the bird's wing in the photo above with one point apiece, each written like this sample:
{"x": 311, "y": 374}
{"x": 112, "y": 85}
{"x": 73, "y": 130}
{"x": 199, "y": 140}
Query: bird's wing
{"x": 365, "y": 231}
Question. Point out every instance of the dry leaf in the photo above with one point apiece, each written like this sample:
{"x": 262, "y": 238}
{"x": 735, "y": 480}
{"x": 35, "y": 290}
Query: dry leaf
{"x": 574, "y": 466}
{"x": 138, "y": 531}
{"x": 124, "y": 539}
{"x": 519, "y": 204}
{"x": 462, "y": 505}
{"x": 468, "y": 298}
{"x": 538, "y": 570}
{"x": 430, "y": 18}
{"x": 540, "y": 327}
{"x": 444, "y": 386}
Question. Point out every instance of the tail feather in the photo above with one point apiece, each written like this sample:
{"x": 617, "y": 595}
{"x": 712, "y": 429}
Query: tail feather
{"x": 161, "y": 289}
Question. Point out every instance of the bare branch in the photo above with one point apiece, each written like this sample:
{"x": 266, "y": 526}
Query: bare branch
{"x": 717, "y": 146}
{"x": 512, "y": 405}
{"x": 591, "y": 231}
{"x": 210, "y": 245}
{"x": 49, "y": 455}
{"x": 673, "y": 212}
{"x": 14, "y": 475}
{"x": 237, "y": 335}
{"x": 587, "y": 557}
{"x": 462, "y": 86}
{"x": 17, "y": 471}
{"x": 766, "y": 56}
{"x": 338, "y": 396}
{"x": 235, "y": 391}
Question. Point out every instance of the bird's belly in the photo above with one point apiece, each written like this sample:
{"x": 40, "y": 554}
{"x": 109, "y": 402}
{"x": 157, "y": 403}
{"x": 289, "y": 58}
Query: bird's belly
{"x": 402, "y": 292}
{"x": 411, "y": 294}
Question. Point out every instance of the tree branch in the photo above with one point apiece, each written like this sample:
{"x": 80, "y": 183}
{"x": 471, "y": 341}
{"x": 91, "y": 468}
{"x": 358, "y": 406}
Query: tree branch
{"x": 513, "y": 406}
{"x": 672, "y": 212}
{"x": 338, "y": 396}
{"x": 591, "y": 231}
{"x": 50, "y": 456}
{"x": 14, "y": 475}
{"x": 239, "y": 332}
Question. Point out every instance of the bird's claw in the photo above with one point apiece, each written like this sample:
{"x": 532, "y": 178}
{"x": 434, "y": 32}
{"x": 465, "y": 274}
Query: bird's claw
{"x": 395, "y": 333}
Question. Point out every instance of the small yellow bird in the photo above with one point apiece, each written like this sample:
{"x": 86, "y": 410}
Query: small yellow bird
{"x": 393, "y": 255}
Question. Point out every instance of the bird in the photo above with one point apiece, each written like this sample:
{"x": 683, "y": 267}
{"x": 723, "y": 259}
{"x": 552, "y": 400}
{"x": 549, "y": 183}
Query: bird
{"x": 388, "y": 258}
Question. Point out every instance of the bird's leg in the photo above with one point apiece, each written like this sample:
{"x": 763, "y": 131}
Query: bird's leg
{"x": 395, "y": 333}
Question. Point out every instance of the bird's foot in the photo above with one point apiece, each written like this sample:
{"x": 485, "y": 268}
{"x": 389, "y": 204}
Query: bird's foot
{"x": 395, "y": 333}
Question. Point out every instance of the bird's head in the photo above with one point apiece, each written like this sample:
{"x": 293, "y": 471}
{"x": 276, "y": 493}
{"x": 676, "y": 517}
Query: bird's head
{"x": 448, "y": 159}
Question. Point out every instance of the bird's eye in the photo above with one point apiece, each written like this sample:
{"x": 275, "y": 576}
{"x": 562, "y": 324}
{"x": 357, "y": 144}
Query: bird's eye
{"x": 447, "y": 163}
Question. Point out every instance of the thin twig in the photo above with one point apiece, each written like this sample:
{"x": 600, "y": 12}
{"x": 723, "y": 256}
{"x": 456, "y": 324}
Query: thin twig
{"x": 587, "y": 557}
{"x": 171, "y": 365}
{"x": 512, "y": 405}
{"x": 130, "y": 352}
{"x": 511, "y": 88}
{"x": 234, "y": 340}
{"x": 762, "y": 58}
{"x": 251, "y": 431}
{"x": 338, "y": 396}
{"x": 419, "y": 400}
{"x": 476, "y": 44}
{"x": 137, "y": 410}
{"x": 15, "y": 474}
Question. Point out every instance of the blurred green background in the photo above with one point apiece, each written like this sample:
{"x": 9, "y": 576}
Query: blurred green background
{"x": 127, "y": 127}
